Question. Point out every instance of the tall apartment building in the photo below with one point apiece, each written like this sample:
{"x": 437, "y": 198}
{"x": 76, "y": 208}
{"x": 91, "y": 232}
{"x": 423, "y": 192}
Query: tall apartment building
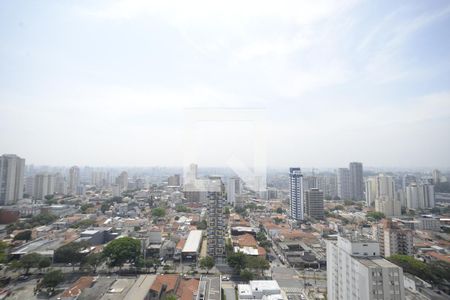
{"x": 310, "y": 182}
{"x": 74, "y": 180}
{"x": 355, "y": 270}
{"x": 216, "y": 223}
{"x": 60, "y": 184}
{"x": 122, "y": 181}
{"x": 356, "y": 181}
{"x": 420, "y": 196}
{"x": 44, "y": 184}
{"x": 408, "y": 180}
{"x": 314, "y": 203}
{"x": 174, "y": 180}
{"x": 436, "y": 176}
{"x": 393, "y": 238}
{"x": 296, "y": 194}
{"x": 328, "y": 185}
{"x": 12, "y": 169}
{"x": 343, "y": 184}
{"x": 380, "y": 190}
{"x": 234, "y": 187}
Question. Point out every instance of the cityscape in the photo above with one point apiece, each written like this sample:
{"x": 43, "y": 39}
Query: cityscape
{"x": 209, "y": 150}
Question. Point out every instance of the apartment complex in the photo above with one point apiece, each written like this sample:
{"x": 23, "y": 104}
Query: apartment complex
{"x": 355, "y": 270}
{"x": 11, "y": 178}
{"x": 296, "y": 194}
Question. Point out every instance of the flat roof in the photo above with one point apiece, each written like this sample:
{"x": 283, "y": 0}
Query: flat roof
{"x": 193, "y": 241}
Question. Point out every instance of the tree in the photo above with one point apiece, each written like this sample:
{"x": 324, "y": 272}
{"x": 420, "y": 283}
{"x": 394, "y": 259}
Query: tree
{"x": 202, "y": 225}
{"x": 29, "y": 261}
{"x": 170, "y": 297}
{"x": 257, "y": 263}
{"x": 3, "y": 248}
{"x": 227, "y": 211}
{"x": 51, "y": 280}
{"x": 44, "y": 263}
{"x": 23, "y": 236}
{"x": 266, "y": 244}
{"x": 158, "y": 212}
{"x": 279, "y": 210}
{"x": 182, "y": 208}
{"x": 70, "y": 253}
{"x": 207, "y": 263}
{"x": 277, "y": 220}
{"x": 246, "y": 275}
{"x": 237, "y": 261}
{"x": 339, "y": 207}
{"x": 122, "y": 250}
{"x": 260, "y": 236}
{"x": 375, "y": 215}
{"x": 93, "y": 260}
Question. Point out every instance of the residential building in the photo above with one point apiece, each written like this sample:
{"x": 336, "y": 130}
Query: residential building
{"x": 174, "y": 180}
{"x": 394, "y": 238}
{"x": 343, "y": 184}
{"x": 44, "y": 184}
{"x": 60, "y": 184}
{"x": 355, "y": 270}
{"x": 420, "y": 196}
{"x": 356, "y": 181}
{"x": 122, "y": 181}
{"x": 216, "y": 223}
{"x": 314, "y": 203}
{"x": 234, "y": 188}
{"x": 12, "y": 169}
{"x": 74, "y": 180}
{"x": 436, "y": 176}
{"x": 260, "y": 289}
{"x": 296, "y": 194}
{"x": 389, "y": 207}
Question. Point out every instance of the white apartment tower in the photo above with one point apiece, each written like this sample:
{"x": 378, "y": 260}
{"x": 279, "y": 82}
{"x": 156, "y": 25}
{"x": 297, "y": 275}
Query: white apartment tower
{"x": 296, "y": 194}
{"x": 74, "y": 180}
{"x": 44, "y": 184}
{"x": 356, "y": 271}
{"x": 234, "y": 187}
{"x": 420, "y": 196}
{"x": 11, "y": 178}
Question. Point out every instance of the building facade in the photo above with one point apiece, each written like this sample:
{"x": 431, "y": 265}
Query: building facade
{"x": 216, "y": 223}
{"x": 356, "y": 271}
{"x": 343, "y": 184}
{"x": 74, "y": 180}
{"x": 314, "y": 203}
{"x": 356, "y": 181}
{"x": 12, "y": 169}
{"x": 296, "y": 194}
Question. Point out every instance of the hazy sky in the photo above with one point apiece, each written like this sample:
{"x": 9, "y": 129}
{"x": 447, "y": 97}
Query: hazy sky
{"x": 107, "y": 82}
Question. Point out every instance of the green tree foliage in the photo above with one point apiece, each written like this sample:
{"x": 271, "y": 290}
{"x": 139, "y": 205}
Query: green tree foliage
{"x": 51, "y": 280}
{"x": 84, "y": 208}
{"x": 239, "y": 261}
{"x": 202, "y": 225}
{"x": 339, "y": 207}
{"x": 375, "y": 215}
{"x": 227, "y": 210}
{"x": 44, "y": 263}
{"x": 257, "y": 263}
{"x": 83, "y": 224}
{"x": 279, "y": 210}
{"x": 246, "y": 275}
{"x": 236, "y": 261}
{"x": 92, "y": 261}
{"x": 260, "y": 236}
{"x": 122, "y": 250}
{"x": 23, "y": 236}
{"x": 70, "y": 253}
{"x": 434, "y": 272}
{"x": 3, "y": 248}
{"x": 29, "y": 261}
{"x": 158, "y": 212}
{"x": 207, "y": 263}
{"x": 277, "y": 220}
{"x": 182, "y": 208}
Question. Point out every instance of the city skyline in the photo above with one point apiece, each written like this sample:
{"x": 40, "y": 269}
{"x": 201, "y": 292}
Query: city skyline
{"x": 368, "y": 80}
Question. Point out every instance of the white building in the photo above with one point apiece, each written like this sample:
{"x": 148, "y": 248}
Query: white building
{"x": 44, "y": 184}
{"x": 74, "y": 180}
{"x": 381, "y": 191}
{"x": 296, "y": 194}
{"x": 355, "y": 270}
{"x": 420, "y": 196}
{"x": 259, "y": 290}
{"x": 11, "y": 178}
{"x": 234, "y": 187}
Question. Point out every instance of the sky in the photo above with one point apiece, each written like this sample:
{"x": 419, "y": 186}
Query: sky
{"x": 114, "y": 83}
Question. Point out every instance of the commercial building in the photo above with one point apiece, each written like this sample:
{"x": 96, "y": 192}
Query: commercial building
{"x": 343, "y": 184}
{"x": 314, "y": 203}
{"x": 355, "y": 270}
{"x": 191, "y": 249}
{"x": 356, "y": 181}
{"x": 296, "y": 194}
{"x": 11, "y": 178}
{"x": 174, "y": 180}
